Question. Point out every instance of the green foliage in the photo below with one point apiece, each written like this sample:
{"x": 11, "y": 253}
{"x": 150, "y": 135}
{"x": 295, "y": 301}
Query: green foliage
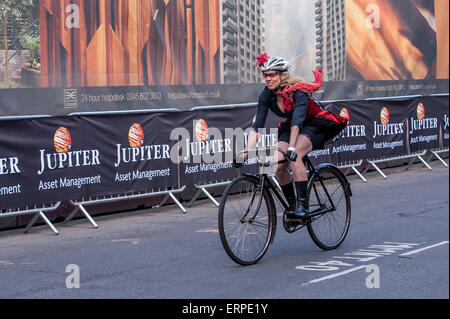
{"x": 15, "y": 9}
{"x": 33, "y": 46}
{"x": 17, "y": 12}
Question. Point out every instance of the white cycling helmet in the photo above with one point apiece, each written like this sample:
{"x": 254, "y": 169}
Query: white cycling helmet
{"x": 272, "y": 63}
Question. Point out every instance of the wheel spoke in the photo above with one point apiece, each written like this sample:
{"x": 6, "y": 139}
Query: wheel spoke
{"x": 245, "y": 233}
{"x": 329, "y": 229}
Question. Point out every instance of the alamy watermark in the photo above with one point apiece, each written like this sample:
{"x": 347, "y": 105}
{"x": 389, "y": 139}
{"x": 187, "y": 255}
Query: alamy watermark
{"x": 73, "y": 279}
{"x": 373, "y": 279}
{"x": 373, "y": 19}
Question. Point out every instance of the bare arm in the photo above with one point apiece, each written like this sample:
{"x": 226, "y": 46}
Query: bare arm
{"x": 252, "y": 140}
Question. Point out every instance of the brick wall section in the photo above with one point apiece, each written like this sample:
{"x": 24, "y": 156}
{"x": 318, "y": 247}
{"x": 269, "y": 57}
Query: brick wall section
{"x": 15, "y": 64}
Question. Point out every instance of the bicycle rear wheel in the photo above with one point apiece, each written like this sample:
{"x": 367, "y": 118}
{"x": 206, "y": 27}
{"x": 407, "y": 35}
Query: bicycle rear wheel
{"x": 246, "y": 220}
{"x": 329, "y": 191}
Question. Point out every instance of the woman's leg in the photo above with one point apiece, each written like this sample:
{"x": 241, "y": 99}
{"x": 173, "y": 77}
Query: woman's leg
{"x": 303, "y": 147}
{"x": 281, "y": 173}
{"x": 284, "y": 178}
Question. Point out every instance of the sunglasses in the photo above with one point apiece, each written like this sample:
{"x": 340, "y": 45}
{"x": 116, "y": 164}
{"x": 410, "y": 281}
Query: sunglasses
{"x": 270, "y": 75}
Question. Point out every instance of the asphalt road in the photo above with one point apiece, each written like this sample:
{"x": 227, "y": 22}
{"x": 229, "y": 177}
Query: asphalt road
{"x": 397, "y": 247}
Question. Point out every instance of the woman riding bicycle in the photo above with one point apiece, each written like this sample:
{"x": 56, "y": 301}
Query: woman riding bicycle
{"x": 307, "y": 127}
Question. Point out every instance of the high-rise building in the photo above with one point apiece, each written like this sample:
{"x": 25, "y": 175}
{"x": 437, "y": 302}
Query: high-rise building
{"x": 241, "y": 40}
{"x": 330, "y": 39}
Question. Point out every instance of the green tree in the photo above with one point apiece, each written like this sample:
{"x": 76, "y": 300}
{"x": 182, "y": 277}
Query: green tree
{"x": 11, "y": 10}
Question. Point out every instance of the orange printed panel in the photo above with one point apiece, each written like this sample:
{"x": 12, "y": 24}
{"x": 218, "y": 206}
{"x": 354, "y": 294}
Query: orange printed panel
{"x": 385, "y": 39}
{"x": 129, "y": 42}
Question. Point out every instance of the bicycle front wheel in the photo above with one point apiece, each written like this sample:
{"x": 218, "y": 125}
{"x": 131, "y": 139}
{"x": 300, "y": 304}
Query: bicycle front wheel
{"x": 246, "y": 220}
{"x": 329, "y": 205}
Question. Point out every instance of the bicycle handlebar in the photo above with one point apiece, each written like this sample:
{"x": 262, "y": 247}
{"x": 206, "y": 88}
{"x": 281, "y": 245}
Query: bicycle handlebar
{"x": 269, "y": 162}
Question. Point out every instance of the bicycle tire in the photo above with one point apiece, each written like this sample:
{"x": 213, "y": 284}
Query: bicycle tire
{"x": 246, "y": 241}
{"x": 329, "y": 230}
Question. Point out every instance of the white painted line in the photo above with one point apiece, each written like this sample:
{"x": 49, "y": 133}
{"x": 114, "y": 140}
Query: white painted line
{"x": 422, "y": 249}
{"x": 336, "y": 274}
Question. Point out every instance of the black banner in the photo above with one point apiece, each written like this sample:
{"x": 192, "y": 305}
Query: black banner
{"x": 424, "y": 124}
{"x": 60, "y": 158}
{"x": 69, "y": 157}
{"x": 216, "y": 135}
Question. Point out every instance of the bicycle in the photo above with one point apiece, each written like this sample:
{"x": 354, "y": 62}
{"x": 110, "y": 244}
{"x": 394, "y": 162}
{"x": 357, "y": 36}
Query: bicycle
{"x": 248, "y": 219}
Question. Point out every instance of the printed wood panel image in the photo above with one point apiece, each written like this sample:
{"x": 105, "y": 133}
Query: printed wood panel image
{"x": 129, "y": 42}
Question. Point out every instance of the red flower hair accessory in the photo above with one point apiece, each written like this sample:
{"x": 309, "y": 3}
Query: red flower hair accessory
{"x": 262, "y": 59}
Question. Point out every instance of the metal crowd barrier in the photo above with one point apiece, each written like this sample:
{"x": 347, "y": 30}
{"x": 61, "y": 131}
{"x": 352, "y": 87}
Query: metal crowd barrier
{"x": 201, "y": 188}
{"x": 412, "y": 157}
{"x": 80, "y": 204}
{"x": 353, "y": 166}
{"x": 37, "y": 210}
{"x": 436, "y": 152}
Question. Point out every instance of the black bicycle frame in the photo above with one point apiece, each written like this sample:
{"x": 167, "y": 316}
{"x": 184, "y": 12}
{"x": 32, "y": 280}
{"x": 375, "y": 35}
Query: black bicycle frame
{"x": 266, "y": 182}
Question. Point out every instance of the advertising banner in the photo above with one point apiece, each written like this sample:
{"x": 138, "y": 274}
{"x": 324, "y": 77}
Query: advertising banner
{"x": 352, "y": 143}
{"x": 107, "y": 55}
{"x": 443, "y": 123}
{"x": 217, "y": 135}
{"x": 62, "y": 158}
{"x": 388, "y": 129}
{"x": 70, "y": 157}
{"x": 423, "y": 124}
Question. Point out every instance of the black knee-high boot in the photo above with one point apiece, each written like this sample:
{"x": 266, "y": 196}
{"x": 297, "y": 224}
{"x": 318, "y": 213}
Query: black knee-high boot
{"x": 289, "y": 193}
{"x": 302, "y": 202}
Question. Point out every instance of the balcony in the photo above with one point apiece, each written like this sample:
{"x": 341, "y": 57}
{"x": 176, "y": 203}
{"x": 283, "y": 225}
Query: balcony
{"x": 230, "y": 26}
{"x": 230, "y": 37}
{"x": 227, "y": 12}
{"x": 230, "y": 63}
{"x": 229, "y": 48}
{"x": 231, "y": 4}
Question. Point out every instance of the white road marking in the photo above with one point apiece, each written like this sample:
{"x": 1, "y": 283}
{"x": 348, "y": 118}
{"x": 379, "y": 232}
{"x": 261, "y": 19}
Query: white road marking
{"x": 134, "y": 241}
{"x": 341, "y": 273}
{"x": 412, "y": 252}
{"x": 344, "y": 272}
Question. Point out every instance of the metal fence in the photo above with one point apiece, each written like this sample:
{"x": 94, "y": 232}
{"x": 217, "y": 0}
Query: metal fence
{"x": 358, "y": 167}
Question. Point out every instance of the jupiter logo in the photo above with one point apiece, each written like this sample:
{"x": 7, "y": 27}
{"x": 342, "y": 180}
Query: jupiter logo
{"x": 344, "y": 113}
{"x": 384, "y": 116}
{"x": 201, "y": 130}
{"x": 62, "y": 140}
{"x": 65, "y": 157}
{"x": 420, "y": 111}
{"x": 136, "y": 135}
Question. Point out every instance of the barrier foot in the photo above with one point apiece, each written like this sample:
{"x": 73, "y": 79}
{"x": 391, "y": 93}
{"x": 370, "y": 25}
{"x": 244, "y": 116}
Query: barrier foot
{"x": 46, "y": 220}
{"x": 172, "y": 196}
{"x": 359, "y": 174}
{"x": 193, "y": 199}
{"x": 71, "y": 215}
{"x": 439, "y": 158}
{"x": 356, "y": 171}
{"x": 378, "y": 169}
{"x": 84, "y": 212}
{"x": 210, "y": 196}
{"x": 177, "y": 202}
{"x": 424, "y": 162}
{"x": 164, "y": 200}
